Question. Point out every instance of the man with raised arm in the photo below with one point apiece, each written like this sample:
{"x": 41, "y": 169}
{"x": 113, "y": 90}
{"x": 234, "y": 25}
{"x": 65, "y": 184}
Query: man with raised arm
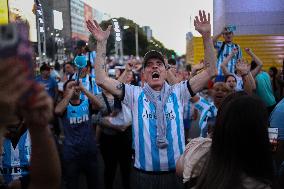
{"x": 157, "y": 108}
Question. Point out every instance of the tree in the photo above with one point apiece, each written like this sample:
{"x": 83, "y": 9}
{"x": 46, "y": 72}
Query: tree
{"x": 128, "y": 37}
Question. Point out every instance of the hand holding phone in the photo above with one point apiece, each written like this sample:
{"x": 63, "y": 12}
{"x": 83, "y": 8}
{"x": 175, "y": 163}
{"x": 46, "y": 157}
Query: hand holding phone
{"x": 16, "y": 70}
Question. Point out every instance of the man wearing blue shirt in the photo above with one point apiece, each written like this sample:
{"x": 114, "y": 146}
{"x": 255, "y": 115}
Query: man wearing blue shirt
{"x": 224, "y": 48}
{"x": 79, "y": 145}
{"x": 49, "y": 83}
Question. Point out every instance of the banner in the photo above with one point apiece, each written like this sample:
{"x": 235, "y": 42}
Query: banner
{"x": 4, "y": 14}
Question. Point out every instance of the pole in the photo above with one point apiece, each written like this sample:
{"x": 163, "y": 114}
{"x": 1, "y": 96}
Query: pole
{"x": 121, "y": 51}
{"x": 116, "y": 49}
{"x": 136, "y": 41}
{"x": 38, "y": 39}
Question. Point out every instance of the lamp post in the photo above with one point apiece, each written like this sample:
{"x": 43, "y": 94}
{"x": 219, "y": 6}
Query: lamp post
{"x": 136, "y": 41}
{"x": 40, "y": 30}
{"x": 118, "y": 38}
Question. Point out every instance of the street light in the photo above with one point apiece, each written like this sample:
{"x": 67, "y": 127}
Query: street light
{"x": 125, "y": 27}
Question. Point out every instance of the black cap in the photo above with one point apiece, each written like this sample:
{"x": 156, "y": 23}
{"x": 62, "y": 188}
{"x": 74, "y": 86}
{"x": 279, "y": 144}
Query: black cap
{"x": 81, "y": 44}
{"x": 152, "y": 54}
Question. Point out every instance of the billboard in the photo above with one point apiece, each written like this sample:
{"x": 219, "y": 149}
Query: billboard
{"x": 3, "y": 11}
{"x": 58, "y": 21}
{"x": 23, "y": 10}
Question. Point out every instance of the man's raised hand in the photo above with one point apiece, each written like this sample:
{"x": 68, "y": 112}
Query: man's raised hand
{"x": 99, "y": 34}
{"x": 202, "y": 23}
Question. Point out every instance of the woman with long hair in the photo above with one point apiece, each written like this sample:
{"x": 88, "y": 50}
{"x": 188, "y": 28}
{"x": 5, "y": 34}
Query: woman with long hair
{"x": 240, "y": 154}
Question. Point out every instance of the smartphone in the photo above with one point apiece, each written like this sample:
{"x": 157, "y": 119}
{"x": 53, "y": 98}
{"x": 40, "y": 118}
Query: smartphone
{"x": 14, "y": 43}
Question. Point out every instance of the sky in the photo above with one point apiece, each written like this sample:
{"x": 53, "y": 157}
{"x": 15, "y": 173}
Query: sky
{"x": 168, "y": 19}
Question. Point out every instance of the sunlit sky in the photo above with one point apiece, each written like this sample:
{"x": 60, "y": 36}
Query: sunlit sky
{"x": 168, "y": 19}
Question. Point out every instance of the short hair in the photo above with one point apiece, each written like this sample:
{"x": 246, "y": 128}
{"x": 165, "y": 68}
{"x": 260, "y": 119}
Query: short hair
{"x": 44, "y": 67}
{"x": 66, "y": 83}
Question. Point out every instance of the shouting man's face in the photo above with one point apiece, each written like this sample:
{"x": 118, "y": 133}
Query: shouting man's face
{"x": 155, "y": 73}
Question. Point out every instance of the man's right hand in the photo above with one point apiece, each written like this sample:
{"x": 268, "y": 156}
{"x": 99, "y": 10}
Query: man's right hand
{"x": 70, "y": 88}
{"x": 97, "y": 31}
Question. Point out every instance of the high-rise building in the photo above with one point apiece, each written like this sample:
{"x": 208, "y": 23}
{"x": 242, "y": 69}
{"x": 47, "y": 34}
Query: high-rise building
{"x": 72, "y": 15}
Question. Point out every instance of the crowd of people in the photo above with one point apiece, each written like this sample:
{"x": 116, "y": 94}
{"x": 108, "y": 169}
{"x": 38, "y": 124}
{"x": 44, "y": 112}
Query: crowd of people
{"x": 139, "y": 116}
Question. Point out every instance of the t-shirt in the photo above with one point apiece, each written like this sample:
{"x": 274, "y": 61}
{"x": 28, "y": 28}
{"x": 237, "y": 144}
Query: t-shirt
{"x": 264, "y": 89}
{"x": 50, "y": 85}
{"x": 226, "y": 51}
{"x": 15, "y": 162}
{"x": 277, "y": 119}
{"x": 148, "y": 156}
{"x": 79, "y": 133}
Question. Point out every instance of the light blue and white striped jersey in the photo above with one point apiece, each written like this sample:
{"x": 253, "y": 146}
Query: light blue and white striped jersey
{"x": 226, "y": 51}
{"x": 206, "y": 110}
{"x": 15, "y": 162}
{"x": 240, "y": 83}
{"x": 148, "y": 156}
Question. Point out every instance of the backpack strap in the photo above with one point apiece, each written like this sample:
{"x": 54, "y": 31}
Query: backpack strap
{"x": 106, "y": 102}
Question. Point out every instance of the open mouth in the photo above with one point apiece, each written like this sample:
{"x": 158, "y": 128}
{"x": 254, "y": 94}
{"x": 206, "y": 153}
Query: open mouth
{"x": 219, "y": 97}
{"x": 155, "y": 75}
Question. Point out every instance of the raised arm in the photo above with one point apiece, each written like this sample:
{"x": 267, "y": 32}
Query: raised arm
{"x": 216, "y": 37}
{"x": 44, "y": 156}
{"x": 225, "y": 62}
{"x": 196, "y": 68}
{"x": 102, "y": 79}
{"x": 248, "y": 80}
{"x": 128, "y": 68}
{"x": 258, "y": 62}
{"x": 62, "y": 105}
{"x": 203, "y": 26}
